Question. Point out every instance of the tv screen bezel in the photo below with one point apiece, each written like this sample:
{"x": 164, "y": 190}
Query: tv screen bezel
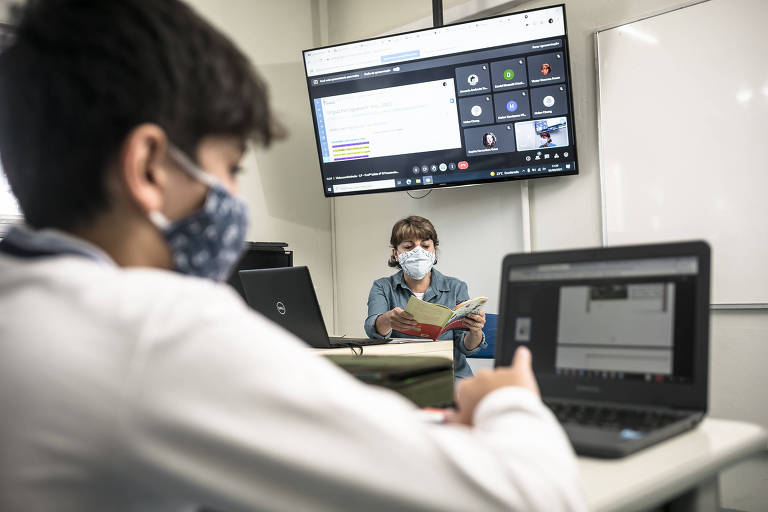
{"x": 479, "y": 181}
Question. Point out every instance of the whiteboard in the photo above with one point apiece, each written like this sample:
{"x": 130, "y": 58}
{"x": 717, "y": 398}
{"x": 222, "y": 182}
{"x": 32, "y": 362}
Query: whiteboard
{"x": 683, "y": 122}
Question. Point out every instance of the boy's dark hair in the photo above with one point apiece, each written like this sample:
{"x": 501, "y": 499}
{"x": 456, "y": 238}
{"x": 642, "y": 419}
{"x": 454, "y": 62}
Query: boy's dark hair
{"x": 81, "y": 74}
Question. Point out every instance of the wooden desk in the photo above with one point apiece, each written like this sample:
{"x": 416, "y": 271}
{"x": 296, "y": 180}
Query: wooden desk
{"x": 682, "y": 471}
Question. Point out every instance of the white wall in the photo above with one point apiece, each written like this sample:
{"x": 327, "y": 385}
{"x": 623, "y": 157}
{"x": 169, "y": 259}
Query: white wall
{"x": 359, "y": 19}
{"x": 282, "y": 184}
{"x": 4, "y": 4}
{"x": 478, "y": 225}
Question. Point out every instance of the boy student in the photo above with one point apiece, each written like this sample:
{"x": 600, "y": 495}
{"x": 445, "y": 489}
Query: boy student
{"x": 130, "y": 379}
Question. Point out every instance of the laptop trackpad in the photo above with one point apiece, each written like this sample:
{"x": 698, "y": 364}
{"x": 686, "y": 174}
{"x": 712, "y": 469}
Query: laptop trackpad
{"x": 603, "y": 442}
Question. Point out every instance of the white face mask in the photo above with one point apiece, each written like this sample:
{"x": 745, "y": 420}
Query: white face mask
{"x": 417, "y": 262}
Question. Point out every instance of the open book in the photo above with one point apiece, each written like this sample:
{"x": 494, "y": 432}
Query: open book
{"x": 434, "y": 319}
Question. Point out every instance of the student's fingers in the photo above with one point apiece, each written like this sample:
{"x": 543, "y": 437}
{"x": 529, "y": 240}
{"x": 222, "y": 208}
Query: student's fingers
{"x": 453, "y": 416}
{"x": 465, "y": 402}
{"x": 523, "y": 369}
{"x": 522, "y": 359}
{"x": 470, "y": 391}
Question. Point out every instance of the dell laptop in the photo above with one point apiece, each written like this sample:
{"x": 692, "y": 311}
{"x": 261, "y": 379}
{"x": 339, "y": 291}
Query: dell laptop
{"x": 287, "y": 297}
{"x": 619, "y": 337}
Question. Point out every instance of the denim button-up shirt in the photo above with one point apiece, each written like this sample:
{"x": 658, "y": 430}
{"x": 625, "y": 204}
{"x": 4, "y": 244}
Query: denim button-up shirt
{"x": 392, "y": 292}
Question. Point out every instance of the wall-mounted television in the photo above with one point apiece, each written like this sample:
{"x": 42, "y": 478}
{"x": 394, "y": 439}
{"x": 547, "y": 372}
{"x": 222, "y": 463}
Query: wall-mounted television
{"x": 477, "y": 102}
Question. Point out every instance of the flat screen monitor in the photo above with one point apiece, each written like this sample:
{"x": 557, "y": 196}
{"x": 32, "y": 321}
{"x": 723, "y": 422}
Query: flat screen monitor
{"x": 477, "y": 102}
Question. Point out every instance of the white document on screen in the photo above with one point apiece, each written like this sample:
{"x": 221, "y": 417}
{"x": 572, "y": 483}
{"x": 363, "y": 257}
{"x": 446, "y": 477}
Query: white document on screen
{"x": 390, "y": 121}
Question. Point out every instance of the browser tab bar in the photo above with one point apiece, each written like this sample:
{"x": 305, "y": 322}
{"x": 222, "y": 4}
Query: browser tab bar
{"x": 540, "y": 24}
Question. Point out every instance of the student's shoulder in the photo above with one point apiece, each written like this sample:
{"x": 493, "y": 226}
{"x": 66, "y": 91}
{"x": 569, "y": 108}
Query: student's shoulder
{"x": 163, "y": 285}
{"x": 138, "y": 303}
{"x": 141, "y": 291}
{"x": 173, "y": 306}
{"x": 194, "y": 307}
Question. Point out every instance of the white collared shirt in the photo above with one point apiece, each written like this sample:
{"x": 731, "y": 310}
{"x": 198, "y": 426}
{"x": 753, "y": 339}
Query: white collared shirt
{"x": 140, "y": 389}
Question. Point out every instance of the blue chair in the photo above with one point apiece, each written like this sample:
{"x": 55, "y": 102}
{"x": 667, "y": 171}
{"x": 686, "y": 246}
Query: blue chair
{"x": 490, "y": 337}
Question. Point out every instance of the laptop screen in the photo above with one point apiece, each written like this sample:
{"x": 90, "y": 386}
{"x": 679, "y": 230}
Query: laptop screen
{"x": 633, "y": 320}
{"x": 609, "y": 320}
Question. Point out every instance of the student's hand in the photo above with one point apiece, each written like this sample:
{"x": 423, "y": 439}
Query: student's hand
{"x": 474, "y": 323}
{"x": 470, "y": 391}
{"x": 399, "y": 320}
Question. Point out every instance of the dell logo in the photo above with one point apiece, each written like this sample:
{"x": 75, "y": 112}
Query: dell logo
{"x": 280, "y": 307}
{"x": 588, "y": 389}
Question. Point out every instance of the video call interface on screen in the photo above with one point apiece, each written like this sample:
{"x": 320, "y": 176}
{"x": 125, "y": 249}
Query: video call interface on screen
{"x": 473, "y": 102}
{"x": 627, "y": 320}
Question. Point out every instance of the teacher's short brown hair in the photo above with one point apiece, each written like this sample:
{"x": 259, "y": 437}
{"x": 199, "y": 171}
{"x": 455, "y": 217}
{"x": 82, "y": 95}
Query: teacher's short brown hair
{"x": 408, "y": 228}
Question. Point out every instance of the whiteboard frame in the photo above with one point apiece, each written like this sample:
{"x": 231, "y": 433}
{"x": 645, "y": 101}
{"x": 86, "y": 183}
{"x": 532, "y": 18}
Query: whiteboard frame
{"x": 603, "y": 206}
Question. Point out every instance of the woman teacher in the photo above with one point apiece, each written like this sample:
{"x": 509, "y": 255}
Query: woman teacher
{"x": 414, "y": 243}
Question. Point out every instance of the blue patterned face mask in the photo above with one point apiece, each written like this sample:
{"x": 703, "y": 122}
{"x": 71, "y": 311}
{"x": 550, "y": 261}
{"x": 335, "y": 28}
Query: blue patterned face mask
{"x": 208, "y": 242}
{"x": 417, "y": 262}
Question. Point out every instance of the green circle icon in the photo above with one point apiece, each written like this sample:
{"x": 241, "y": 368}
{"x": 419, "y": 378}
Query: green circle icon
{"x": 509, "y": 74}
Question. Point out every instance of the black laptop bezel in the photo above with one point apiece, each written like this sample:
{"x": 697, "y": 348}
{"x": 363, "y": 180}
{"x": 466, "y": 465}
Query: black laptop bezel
{"x": 692, "y": 395}
{"x": 317, "y": 337}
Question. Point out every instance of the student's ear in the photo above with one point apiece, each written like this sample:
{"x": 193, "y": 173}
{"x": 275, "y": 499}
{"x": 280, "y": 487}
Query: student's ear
{"x": 141, "y": 166}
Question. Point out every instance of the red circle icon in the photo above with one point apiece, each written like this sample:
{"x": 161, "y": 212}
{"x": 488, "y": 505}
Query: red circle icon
{"x": 463, "y": 164}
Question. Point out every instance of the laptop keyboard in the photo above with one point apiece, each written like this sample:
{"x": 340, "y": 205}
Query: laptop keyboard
{"x": 608, "y": 418}
{"x": 343, "y": 341}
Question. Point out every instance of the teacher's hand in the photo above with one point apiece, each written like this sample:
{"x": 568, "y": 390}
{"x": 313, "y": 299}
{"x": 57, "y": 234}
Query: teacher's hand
{"x": 399, "y": 320}
{"x": 474, "y": 323}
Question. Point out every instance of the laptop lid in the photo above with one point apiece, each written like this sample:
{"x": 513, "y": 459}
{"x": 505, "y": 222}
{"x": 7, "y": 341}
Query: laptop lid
{"x": 625, "y": 324}
{"x": 287, "y": 297}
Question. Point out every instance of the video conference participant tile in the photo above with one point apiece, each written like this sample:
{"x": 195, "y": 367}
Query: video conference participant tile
{"x": 485, "y": 140}
{"x": 476, "y": 110}
{"x": 509, "y": 74}
{"x": 473, "y": 79}
{"x": 549, "y": 101}
{"x": 528, "y": 134}
{"x": 511, "y": 106}
{"x": 548, "y": 68}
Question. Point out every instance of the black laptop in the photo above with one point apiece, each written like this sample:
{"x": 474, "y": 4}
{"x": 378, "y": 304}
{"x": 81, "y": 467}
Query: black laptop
{"x": 619, "y": 336}
{"x": 287, "y": 297}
